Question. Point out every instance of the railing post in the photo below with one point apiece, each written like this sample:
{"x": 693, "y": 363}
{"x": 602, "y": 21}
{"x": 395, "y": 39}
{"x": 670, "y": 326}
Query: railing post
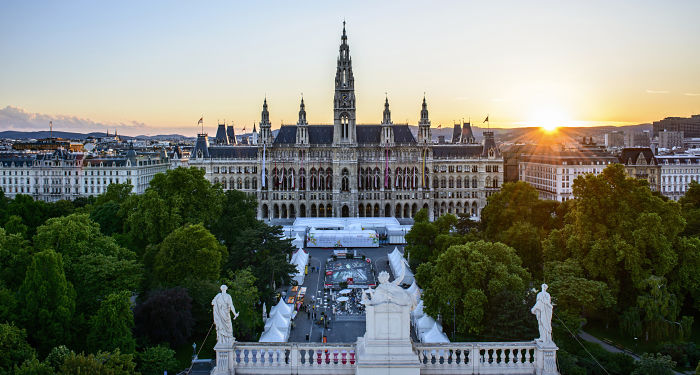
{"x": 546, "y": 358}
{"x": 294, "y": 358}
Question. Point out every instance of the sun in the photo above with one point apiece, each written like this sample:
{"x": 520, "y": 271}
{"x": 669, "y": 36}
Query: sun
{"x": 549, "y": 119}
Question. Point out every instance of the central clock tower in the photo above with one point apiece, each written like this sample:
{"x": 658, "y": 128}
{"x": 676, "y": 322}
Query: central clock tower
{"x": 344, "y": 99}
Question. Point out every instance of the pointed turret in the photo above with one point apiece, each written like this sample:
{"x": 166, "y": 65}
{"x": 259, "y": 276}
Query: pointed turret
{"x": 302, "y": 113}
{"x": 231, "y": 133}
{"x": 424, "y": 133}
{"x": 386, "y": 118}
{"x": 387, "y": 135}
{"x": 254, "y": 136}
{"x": 302, "y": 125}
{"x": 265, "y": 125}
{"x": 221, "y": 137}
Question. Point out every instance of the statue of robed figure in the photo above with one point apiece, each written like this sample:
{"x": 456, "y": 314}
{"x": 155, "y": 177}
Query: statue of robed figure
{"x": 543, "y": 310}
{"x": 223, "y": 307}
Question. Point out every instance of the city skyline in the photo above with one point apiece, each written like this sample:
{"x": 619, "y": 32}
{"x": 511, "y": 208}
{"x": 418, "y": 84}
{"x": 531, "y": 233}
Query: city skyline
{"x": 148, "y": 69}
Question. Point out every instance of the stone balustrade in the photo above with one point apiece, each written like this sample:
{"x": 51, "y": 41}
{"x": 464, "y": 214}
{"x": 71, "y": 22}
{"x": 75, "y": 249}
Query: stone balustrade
{"x": 477, "y": 358}
{"x": 293, "y": 358}
{"x": 450, "y": 358}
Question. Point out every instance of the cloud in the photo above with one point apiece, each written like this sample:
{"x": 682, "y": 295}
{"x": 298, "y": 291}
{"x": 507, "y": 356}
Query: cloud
{"x": 657, "y": 91}
{"x": 462, "y": 98}
{"x": 691, "y": 94}
{"x": 18, "y": 119}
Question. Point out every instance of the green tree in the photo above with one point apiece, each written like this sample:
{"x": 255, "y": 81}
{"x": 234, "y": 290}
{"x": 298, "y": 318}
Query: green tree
{"x": 107, "y": 216}
{"x": 654, "y": 364}
{"x": 239, "y": 211}
{"x": 467, "y": 278}
{"x": 14, "y": 348}
{"x": 76, "y": 235}
{"x": 14, "y": 225}
{"x": 107, "y": 208}
{"x": 148, "y": 219}
{"x": 189, "y": 251}
{"x": 57, "y": 356}
{"x": 48, "y": 301}
{"x": 245, "y": 295}
{"x": 107, "y": 363}
{"x": 261, "y": 248}
{"x": 97, "y": 275}
{"x": 573, "y": 292}
{"x": 115, "y": 193}
{"x": 165, "y": 316}
{"x": 110, "y": 327}
{"x": 34, "y": 367}
{"x": 525, "y": 239}
{"x": 619, "y": 232}
{"x": 195, "y": 199}
{"x": 15, "y": 256}
{"x": 155, "y": 360}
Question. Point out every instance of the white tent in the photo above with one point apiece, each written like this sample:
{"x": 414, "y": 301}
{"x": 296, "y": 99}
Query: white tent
{"x": 424, "y": 324}
{"x": 417, "y": 313}
{"x": 299, "y": 259}
{"x": 274, "y": 334}
{"x": 298, "y": 242}
{"x": 395, "y": 262}
{"x": 280, "y": 321}
{"x": 434, "y": 336}
{"x": 342, "y": 238}
{"x": 414, "y": 290}
{"x": 281, "y": 308}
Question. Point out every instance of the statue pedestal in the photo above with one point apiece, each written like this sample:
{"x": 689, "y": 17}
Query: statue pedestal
{"x": 386, "y": 347}
{"x": 224, "y": 359}
{"x": 546, "y": 358}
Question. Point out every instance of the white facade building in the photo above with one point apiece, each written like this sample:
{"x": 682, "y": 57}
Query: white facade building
{"x": 553, "y": 173}
{"x": 62, "y": 175}
{"x": 677, "y": 171}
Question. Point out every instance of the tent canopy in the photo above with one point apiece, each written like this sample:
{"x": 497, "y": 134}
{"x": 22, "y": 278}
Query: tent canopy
{"x": 434, "y": 336}
{"x": 274, "y": 334}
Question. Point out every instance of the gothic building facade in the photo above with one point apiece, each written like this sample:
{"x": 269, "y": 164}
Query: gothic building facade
{"x": 354, "y": 170}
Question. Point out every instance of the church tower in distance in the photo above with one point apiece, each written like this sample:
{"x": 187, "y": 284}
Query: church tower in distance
{"x": 344, "y": 100}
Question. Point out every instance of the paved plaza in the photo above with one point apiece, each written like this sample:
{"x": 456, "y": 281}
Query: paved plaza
{"x": 342, "y": 327}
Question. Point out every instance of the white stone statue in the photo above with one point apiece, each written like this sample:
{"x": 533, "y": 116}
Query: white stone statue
{"x": 543, "y": 310}
{"x": 223, "y": 306}
{"x": 388, "y": 292}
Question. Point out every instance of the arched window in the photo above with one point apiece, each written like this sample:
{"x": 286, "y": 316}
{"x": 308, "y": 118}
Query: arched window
{"x": 459, "y": 182}
{"x": 239, "y": 184}
{"x": 246, "y": 183}
{"x": 443, "y": 182}
{"x": 474, "y": 182}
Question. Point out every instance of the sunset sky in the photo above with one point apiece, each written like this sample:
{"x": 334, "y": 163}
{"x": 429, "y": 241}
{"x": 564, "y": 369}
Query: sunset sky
{"x": 151, "y": 67}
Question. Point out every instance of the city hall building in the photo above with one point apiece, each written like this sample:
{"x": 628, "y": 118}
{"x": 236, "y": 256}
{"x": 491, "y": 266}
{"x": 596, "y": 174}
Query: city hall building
{"x": 353, "y": 170}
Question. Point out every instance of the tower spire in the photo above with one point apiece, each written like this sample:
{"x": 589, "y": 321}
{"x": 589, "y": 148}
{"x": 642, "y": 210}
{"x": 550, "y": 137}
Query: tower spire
{"x": 344, "y": 99}
{"x": 386, "y": 118}
{"x": 302, "y": 112}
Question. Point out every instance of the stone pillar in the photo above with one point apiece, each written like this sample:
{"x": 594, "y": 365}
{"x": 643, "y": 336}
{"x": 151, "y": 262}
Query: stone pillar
{"x": 546, "y": 358}
{"x": 225, "y": 360}
{"x": 386, "y": 347}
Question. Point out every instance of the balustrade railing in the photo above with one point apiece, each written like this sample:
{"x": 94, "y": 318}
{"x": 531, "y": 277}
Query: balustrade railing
{"x": 451, "y": 358}
{"x": 257, "y": 358}
{"x": 477, "y": 358}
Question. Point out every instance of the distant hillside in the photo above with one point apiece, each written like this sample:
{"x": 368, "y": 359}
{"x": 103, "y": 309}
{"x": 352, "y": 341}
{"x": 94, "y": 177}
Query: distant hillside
{"x": 11, "y": 134}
